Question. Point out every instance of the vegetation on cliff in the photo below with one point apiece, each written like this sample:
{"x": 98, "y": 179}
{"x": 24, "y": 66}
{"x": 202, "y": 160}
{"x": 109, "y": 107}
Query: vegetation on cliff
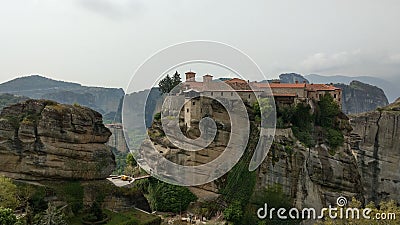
{"x": 325, "y": 125}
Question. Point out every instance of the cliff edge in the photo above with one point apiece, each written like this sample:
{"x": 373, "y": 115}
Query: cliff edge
{"x": 45, "y": 140}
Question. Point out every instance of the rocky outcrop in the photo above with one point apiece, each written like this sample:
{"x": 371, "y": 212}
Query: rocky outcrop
{"x": 358, "y": 97}
{"x": 375, "y": 144}
{"x": 312, "y": 177}
{"x": 45, "y": 140}
{"x": 292, "y": 78}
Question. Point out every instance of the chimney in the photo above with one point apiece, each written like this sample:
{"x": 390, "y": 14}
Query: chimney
{"x": 207, "y": 78}
{"x": 190, "y": 76}
{"x": 297, "y": 81}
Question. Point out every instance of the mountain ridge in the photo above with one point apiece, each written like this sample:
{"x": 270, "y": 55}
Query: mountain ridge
{"x": 103, "y": 99}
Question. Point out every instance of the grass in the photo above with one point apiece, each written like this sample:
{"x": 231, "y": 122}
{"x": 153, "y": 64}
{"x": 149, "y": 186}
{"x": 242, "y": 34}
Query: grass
{"x": 123, "y": 217}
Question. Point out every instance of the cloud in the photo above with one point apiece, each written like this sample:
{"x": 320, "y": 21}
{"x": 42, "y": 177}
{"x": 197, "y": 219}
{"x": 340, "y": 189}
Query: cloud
{"x": 323, "y": 62}
{"x": 114, "y": 9}
{"x": 355, "y": 62}
{"x": 393, "y": 59}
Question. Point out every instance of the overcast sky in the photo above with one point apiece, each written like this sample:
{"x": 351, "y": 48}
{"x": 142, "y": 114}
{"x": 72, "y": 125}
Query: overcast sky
{"x": 102, "y": 42}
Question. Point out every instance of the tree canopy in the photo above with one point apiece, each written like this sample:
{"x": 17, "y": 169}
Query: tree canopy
{"x": 168, "y": 83}
{"x": 8, "y": 193}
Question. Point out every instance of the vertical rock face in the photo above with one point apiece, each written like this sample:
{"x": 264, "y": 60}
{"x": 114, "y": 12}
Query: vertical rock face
{"x": 117, "y": 139}
{"x": 312, "y": 177}
{"x": 359, "y": 97}
{"x": 41, "y": 139}
{"x": 376, "y": 145}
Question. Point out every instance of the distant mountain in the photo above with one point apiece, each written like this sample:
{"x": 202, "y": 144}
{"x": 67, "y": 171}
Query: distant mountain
{"x": 107, "y": 101}
{"x": 142, "y": 105}
{"x": 391, "y": 90}
{"x": 292, "y": 78}
{"x": 358, "y": 97}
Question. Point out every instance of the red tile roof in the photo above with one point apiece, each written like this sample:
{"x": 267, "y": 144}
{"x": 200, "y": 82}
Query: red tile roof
{"x": 321, "y": 87}
{"x": 235, "y": 80}
{"x": 280, "y": 85}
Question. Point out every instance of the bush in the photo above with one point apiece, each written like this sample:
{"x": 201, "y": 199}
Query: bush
{"x": 304, "y": 136}
{"x": 328, "y": 110}
{"x": 334, "y": 137}
{"x": 234, "y": 212}
{"x": 7, "y": 217}
{"x": 157, "y": 116}
{"x": 170, "y": 198}
{"x": 8, "y": 193}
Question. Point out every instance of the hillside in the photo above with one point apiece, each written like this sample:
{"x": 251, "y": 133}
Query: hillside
{"x": 103, "y": 100}
{"x": 9, "y": 99}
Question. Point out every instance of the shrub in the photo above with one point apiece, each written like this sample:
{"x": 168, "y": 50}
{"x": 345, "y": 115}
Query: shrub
{"x": 8, "y": 193}
{"x": 170, "y": 198}
{"x": 234, "y": 212}
{"x": 157, "y": 116}
{"x": 7, "y": 217}
{"x": 304, "y": 136}
{"x": 334, "y": 137}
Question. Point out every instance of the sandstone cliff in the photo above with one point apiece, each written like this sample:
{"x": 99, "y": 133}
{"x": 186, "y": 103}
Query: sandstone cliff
{"x": 41, "y": 140}
{"x": 376, "y": 145}
{"x": 312, "y": 177}
{"x": 359, "y": 97}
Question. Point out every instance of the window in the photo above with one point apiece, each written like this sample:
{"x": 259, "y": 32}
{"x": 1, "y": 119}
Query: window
{"x": 222, "y": 93}
{"x": 212, "y": 93}
{"x": 334, "y": 95}
{"x": 193, "y": 103}
{"x": 231, "y": 93}
{"x": 249, "y": 96}
{"x": 187, "y": 110}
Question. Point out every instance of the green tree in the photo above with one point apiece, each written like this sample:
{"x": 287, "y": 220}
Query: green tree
{"x": 7, "y": 217}
{"x": 52, "y": 216}
{"x": 234, "y": 212}
{"x": 8, "y": 193}
{"x": 130, "y": 160}
{"x": 328, "y": 110}
{"x": 168, "y": 83}
{"x": 169, "y": 198}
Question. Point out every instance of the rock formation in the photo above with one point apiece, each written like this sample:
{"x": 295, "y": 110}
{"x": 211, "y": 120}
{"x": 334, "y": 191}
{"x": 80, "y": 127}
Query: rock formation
{"x": 359, "y": 97}
{"x": 376, "y": 145}
{"x": 45, "y": 140}
{"x": 312, "y": 177}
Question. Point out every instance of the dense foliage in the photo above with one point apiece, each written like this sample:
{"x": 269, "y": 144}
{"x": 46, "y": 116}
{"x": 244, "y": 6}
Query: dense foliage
{"x": 169, "y": 198}
{"x": 304, "y": 123}
{"x": 8, "y": 193}
{"x": 168, "y": 83}
{"x": 7, "y": 217}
